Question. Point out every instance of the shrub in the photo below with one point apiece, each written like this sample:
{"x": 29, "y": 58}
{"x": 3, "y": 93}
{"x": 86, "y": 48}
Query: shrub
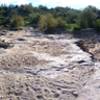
{"x": 60, "y": 22}
{"x": 43, "y": 23}
{"x": 32, "y": 19}
{"x": 88, "y": 17}
{"x": 97, "y": 24}
{"x": 17, "y": 21}
{"x": 72, "y": 27}
{"x": 49, "y": 23}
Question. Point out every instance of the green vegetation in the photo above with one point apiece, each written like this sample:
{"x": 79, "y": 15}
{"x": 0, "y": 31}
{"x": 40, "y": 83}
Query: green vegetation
{"x": 49, "y": 20}
{"x": 50, "y": 23}
{"x": 72, "y": 27}
{"x": 97, "y": 24}
{"x": 88, "y": 17}
{"x": 17, "y": 21}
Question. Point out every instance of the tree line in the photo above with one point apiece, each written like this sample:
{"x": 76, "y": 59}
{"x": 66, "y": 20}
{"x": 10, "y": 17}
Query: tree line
{"x": 49, "y": 20}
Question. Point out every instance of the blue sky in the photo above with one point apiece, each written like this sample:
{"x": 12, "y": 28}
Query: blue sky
{"x": 78, "y": 4}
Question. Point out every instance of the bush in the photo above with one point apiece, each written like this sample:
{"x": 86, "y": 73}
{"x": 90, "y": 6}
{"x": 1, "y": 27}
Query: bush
{"x": 43, "y": 23}
{"x": 48, "y": 23}
{"x": 88, "y": 17}
{"x": 51, "y": 21}
{"x": 32, "y": 19}
{"x": 17, "y": 21}
{"x": 60, "y": 22}
{"x": 97, "y": 24}
{"x": 72, "y": 27}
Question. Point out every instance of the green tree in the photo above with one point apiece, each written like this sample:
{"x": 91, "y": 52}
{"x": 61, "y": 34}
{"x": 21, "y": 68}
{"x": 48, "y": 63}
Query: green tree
{"x": 43, "y": 23}
{"x": 88, "y": 17}
{"x": 47, "y": 22}
{"x": 97, "y": 25}
{"x": 33, "y": 19}
{"x": 60, "y": 22}
{"x": 51, "y": 21}
{"x": 17, "y": 21}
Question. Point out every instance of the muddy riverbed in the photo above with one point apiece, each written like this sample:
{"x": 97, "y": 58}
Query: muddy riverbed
{"x": 47, "y": 67}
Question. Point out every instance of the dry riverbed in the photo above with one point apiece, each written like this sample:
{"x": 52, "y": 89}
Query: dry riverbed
{"x": 46, "y": 67}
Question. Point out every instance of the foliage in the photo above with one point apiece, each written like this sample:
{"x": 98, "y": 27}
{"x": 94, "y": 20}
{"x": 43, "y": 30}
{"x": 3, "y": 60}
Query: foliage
{"x": 32, "y": 19}
{"x": 97, "y": 24}
{"x": 17, "y": 21}
{"x": 60, "y": 22}
{"x": 49, "y": 19}
{"x": 72, "y": 27}
{"x": 43, "y": 23}
{"x": 49, "y": 22}
{"x": 88, "y": 17}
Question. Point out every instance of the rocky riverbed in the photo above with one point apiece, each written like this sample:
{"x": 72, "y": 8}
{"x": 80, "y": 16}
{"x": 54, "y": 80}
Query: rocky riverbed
{"x": 47, "y": 67}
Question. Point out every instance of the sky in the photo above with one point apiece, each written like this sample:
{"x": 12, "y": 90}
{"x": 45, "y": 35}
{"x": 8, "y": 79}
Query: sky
{"x": 77, "y": 4}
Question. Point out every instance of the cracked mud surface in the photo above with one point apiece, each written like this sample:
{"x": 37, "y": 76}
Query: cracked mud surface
{"x": 45, "y": 67}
